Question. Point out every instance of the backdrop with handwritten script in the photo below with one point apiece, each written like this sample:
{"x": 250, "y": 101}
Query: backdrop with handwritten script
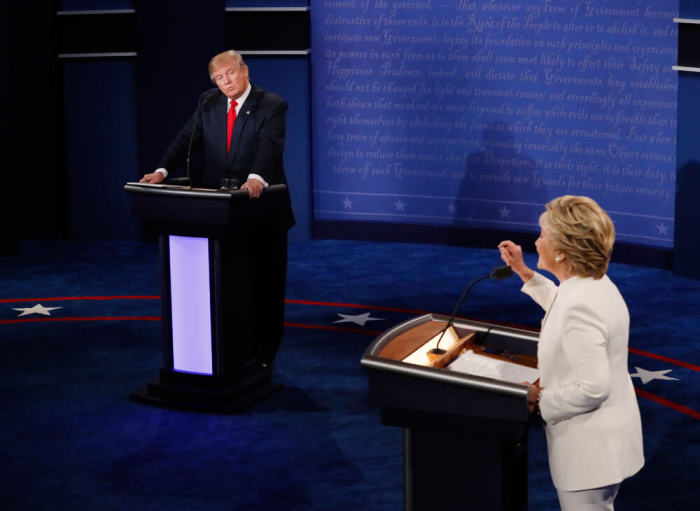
{"x": 475, "y": 113}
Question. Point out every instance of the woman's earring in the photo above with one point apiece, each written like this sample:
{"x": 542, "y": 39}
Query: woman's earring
{"x": 557, "y": 259}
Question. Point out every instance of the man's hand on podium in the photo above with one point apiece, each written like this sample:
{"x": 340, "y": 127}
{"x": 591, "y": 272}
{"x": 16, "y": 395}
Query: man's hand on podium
{"x": 254, "y": 187}
{"x": 153, "y": 178}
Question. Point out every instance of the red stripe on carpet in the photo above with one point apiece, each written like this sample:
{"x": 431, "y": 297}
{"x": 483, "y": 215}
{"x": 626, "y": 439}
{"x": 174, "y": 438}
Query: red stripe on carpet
{"x": 95, "y": 318}
{"x": 665, "y": 359}
{"x": 67, "y": 298}
{"x": 158, "y": 318}
{"x": 668, "y": 403}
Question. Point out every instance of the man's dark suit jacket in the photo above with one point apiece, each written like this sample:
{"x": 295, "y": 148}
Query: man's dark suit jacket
{"x": 257, "y": 142}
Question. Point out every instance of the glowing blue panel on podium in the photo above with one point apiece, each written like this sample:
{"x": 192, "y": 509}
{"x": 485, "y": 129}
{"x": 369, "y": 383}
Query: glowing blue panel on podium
{"x": 190, "y": 304}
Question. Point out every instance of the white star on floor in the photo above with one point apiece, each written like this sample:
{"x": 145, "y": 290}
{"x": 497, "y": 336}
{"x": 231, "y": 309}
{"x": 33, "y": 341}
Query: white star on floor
{"x": 347, "y": 203}
{"x": 647, "y": 376}
{"x": 358, "y": 319}
{"x": 505, "y": 212}
{"x": 400, "y": 205}
{"x": 37, "y": 309}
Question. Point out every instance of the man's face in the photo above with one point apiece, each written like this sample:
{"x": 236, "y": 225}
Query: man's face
{"x": 231, "y": 79}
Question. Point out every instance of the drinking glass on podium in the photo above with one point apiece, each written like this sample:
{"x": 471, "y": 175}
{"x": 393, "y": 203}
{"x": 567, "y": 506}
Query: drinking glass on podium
{"x": 229, "y": 183}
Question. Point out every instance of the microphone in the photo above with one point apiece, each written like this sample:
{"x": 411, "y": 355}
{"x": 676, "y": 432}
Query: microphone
{"x": 208, "y": 96}
{"x": 500, "y": 273}
{"x": 203, "y": 99}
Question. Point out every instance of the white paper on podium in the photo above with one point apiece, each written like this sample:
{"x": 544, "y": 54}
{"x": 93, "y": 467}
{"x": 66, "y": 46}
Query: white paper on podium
{"x": 478, "y": 365}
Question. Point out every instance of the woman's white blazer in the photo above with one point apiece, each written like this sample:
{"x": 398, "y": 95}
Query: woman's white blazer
{"x": 593, "y": 426}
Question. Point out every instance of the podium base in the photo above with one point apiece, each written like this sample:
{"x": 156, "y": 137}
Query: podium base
{"x": 206, "y": 393}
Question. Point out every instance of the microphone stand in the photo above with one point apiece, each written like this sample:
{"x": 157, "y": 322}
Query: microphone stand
{"x": 502, "y": 272}
{"x": 204, "y": 99}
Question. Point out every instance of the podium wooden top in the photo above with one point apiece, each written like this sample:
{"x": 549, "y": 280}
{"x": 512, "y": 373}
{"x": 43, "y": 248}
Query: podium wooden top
{"x": 433, "y": 388}
{"x": 405, "y": 338}
{"x": 410, "y": 340}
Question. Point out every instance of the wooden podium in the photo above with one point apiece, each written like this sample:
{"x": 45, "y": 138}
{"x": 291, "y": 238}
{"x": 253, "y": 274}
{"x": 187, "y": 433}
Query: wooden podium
{"x": 210, "y": 361}
{"x": 465, "y": 436}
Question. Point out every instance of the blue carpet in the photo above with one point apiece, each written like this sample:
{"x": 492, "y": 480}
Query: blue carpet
{"x": 72, "y": 439}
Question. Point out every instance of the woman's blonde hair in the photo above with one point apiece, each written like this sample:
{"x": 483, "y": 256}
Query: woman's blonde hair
{"x": 581, "y": 230}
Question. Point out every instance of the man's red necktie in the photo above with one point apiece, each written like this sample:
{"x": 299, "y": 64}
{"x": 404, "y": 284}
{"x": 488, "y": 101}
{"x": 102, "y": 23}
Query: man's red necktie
{"x": 230, "y": 120}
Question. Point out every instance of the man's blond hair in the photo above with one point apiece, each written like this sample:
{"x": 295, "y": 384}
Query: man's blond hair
{"x": 223, "y": 57}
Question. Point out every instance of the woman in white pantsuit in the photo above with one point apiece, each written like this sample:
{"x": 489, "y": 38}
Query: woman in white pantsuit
{"x": 585, "y": 394}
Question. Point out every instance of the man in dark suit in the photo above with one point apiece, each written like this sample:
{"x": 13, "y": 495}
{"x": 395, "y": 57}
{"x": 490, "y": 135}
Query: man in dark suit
{"x": 240, "y": 129}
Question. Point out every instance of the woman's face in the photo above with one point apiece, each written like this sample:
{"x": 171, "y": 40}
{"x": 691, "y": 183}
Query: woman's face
{"x": 546, "y": 252}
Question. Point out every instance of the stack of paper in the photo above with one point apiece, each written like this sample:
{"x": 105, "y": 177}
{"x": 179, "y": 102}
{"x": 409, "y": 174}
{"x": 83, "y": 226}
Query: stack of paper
{"x": 478, "y": 365}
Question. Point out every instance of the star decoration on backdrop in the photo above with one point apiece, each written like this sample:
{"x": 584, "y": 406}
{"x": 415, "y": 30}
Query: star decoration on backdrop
{"x": 37, "y": 309}
{"x": 663, "y": 229}
{"x": 358, "y": 319}
{"x": 451, "y": 208}
{"x": 505, "y": 212}
{"x": 347, "y": 203}
{"x": 399, "y": 205}
{"x": 647, "y": 376}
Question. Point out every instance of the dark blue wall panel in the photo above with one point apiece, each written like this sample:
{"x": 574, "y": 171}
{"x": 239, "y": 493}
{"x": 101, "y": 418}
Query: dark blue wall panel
{"x": 689, "y": 9}
{"x": 101, "y": 147}
{"x": 176, "y": 41}
{"x": 687, "y": 232}
{"x": 289, "y": 77}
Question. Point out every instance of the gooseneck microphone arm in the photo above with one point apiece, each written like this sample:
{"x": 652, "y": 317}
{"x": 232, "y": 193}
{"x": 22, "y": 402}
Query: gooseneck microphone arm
{"x": 205, "y": 98}
{"x": 502, "y": 272}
